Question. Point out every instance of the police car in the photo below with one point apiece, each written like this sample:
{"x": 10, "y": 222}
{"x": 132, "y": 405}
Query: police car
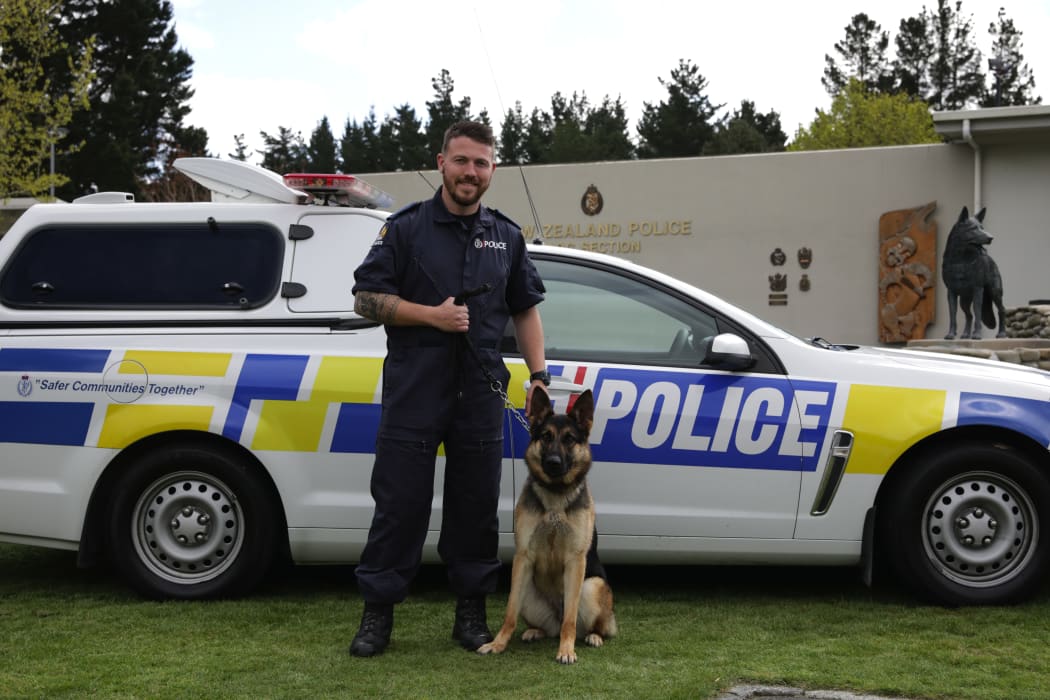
{"x": 186, "y": 391}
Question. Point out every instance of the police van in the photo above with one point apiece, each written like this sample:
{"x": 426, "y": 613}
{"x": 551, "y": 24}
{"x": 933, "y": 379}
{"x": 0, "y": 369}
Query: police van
{"x": 186, "y": 391}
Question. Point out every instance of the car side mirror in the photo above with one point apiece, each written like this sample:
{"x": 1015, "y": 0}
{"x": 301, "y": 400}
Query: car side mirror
{"x": 727, "y": 351}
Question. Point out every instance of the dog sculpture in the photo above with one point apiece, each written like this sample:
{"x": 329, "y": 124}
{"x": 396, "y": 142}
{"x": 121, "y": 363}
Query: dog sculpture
{"x": 557, "y": 585}
{"x": 972, "y": 277}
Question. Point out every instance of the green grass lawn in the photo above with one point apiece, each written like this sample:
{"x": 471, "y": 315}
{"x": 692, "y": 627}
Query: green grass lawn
{"x": 688, "y": 632}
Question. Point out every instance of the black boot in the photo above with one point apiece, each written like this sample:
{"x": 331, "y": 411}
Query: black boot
{"x": 374, "y": 634}
{"x": 470, "y": 629}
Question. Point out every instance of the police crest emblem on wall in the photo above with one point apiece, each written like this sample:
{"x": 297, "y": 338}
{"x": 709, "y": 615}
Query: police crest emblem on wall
{"x": 592, "y": 201}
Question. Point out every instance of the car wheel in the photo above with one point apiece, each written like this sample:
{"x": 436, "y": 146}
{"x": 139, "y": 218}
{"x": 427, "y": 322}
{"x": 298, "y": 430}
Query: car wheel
{"x": 964, "y": 526}
{"x": 191, "y": 523}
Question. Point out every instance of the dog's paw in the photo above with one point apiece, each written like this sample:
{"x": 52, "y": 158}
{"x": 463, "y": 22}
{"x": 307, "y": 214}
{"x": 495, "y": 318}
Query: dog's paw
{"x": 491, "y": 648}
{"x": 566, "y": 654}
{"x": 594, "y": 639}
{"x": 532, "y": 634}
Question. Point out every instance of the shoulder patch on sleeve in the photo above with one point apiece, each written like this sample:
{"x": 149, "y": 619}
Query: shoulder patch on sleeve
{"x": 380, "y": 237}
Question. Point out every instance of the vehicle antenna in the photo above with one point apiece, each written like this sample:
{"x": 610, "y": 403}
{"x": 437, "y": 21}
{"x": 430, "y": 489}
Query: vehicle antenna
{"x": 538, "y": 238}
{"x": 420, "y": 173}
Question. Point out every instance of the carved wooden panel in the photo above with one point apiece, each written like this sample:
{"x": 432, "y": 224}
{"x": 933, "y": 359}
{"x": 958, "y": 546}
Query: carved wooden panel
{"x": 907, "y": 273}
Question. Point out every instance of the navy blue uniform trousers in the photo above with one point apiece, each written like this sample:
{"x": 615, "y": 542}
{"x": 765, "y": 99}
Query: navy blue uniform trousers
{"x": 402, "y": 487}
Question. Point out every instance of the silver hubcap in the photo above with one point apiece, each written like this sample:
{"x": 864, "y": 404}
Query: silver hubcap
{"x": 187, "y": 527}
{"x": 980, "y": 529}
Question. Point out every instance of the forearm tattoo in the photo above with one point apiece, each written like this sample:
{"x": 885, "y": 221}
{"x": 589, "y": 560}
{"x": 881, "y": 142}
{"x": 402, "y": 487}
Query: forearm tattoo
{"x": 376, "y": 306}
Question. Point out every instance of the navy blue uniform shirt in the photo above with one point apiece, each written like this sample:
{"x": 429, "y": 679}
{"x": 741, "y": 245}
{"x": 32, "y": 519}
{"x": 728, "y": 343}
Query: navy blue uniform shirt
{"x": 424, "y": 254}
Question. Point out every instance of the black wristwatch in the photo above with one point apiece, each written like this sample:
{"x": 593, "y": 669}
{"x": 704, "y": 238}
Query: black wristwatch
{"x": 543, "y": 375}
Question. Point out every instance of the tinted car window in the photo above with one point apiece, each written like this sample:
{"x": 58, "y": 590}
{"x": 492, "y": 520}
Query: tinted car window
{"x": 599, "y": 315}
{"x": 156, "y": 265}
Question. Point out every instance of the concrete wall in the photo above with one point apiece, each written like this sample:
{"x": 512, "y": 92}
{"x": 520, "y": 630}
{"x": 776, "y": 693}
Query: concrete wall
{"x": 715, "y": 221}
{"x": 1015, "y": 187}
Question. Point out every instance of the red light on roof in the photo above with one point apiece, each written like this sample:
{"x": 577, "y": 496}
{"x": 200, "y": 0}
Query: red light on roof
{"x": 346, "y": 189}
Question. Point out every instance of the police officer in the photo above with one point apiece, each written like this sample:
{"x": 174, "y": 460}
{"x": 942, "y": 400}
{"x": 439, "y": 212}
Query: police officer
{"x": 437, "y": 376}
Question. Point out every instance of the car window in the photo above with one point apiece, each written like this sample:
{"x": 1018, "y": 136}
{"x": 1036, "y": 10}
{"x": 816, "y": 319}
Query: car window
{"x": 189, "y": 266}
{"x": 600, "y": 315}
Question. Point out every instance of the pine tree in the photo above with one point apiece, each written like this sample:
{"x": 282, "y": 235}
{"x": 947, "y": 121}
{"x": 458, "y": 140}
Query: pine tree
{"x": 1012, "y": 80}
{"x": 388, "y": 151}
{"x": 443, "y": 112}
{"x": 411, "y": 140}
{"x": 607, "y": 131}
{"x": 955, "y": 75}
{"x": 538, "y": 136}
{"x": 747, "y": 131}
{"x": 139, "y": 95}
{"x": 285, "y": 152}
{"x": 321, "y": 152}
{"x": 512, "y": 137}
{"x": 240, "y": 149}
{"x": 171, "y": 185}
{"x": 358, "y": 147}
{"x": 682, "y": 124}
{"x": 863, "y": 56}
{"x": 911, "y": 68}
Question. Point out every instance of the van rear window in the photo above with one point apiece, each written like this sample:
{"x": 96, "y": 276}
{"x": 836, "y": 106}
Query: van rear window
{"x": 180, "y": 266}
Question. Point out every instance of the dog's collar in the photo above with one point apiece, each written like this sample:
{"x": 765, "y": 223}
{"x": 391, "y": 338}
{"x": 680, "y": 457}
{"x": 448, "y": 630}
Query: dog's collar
{"x": 543, "y": 494}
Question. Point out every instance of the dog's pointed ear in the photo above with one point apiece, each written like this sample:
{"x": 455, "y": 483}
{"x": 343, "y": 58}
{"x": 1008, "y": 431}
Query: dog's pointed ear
{"x": 980, "y": 214}
{"x": 964, "y": 215}
{"x": 540, "y": 408}
{"x": 583, "y": 411}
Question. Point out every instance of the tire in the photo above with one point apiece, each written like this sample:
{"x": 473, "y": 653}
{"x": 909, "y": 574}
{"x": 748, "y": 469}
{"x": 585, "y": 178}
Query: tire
{"x": 965, "y": 526}
{"x": 191, "y": 523}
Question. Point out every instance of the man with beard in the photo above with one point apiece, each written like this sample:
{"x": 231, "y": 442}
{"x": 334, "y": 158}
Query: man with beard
{"x": 442, "y": 354}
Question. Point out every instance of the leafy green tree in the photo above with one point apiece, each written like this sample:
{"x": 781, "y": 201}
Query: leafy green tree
{"x": 683, "y": 123}
{"x": 240, "y": 149}
{"x": 863, "y": 56}
{"x": 285, "y": 152}
{"x": 747, "y": 131}
{"x": 35, "y": 110}
{"x": 139, "y": 95}
{"x": 859, "y": 118}
{"x": 1012, "y": 80}
{"x": 321, "y": 151}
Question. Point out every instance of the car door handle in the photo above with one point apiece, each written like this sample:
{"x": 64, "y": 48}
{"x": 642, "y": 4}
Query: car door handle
{"x": 560, "y": 385}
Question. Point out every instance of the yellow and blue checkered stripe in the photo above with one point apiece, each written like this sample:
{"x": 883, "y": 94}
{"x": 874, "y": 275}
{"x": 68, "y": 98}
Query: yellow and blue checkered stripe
{"x": 285, "y": 402}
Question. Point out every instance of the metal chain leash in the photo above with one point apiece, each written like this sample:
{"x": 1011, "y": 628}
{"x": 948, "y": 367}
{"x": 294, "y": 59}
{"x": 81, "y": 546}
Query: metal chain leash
{"x": 495, "y": 385}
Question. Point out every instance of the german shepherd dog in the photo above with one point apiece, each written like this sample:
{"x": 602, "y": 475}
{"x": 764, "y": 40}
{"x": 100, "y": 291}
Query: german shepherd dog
{"x": 972, "y": 277}
{"x": 557, "y": 585}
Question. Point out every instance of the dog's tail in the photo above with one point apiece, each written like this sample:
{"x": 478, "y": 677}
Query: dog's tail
{"x": 993, "y": 294}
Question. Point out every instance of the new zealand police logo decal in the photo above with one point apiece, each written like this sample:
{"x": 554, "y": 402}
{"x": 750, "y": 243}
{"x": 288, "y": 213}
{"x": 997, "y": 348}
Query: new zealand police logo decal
{"x": 25, "y": 386}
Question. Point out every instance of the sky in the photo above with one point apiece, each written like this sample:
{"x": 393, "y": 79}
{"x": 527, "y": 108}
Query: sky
{"x": 264, "y": 64}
